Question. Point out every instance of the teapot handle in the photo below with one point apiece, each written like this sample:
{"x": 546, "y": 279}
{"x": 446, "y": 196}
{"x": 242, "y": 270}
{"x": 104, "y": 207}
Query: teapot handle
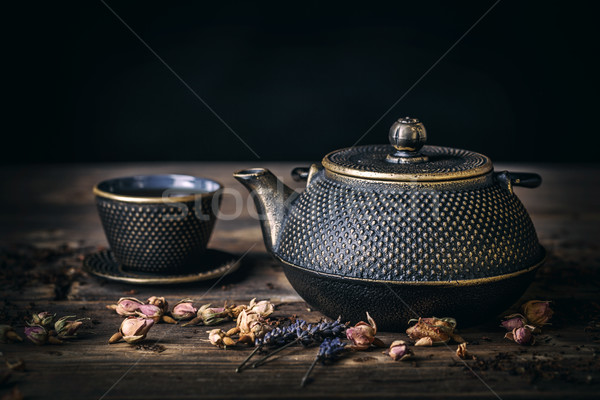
{"x": 306, "y": 174}
{"x": 300, "y": 173}
{"x": 524, "y": 179}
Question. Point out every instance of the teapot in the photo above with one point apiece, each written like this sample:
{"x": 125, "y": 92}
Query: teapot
{"x": 402, "y": 230}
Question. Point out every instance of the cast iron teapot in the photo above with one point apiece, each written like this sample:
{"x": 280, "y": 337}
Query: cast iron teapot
{"x": 401, "y": 231}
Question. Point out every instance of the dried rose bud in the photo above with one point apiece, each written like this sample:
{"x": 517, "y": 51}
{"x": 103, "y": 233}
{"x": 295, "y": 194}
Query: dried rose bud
{"x": 438, "y": 330}
{"x": 8, "y": 334}
{"x": 215, "y": 337}
{"x": 246, "y": 319}
{"x": 150, "y": 311}
{"x": 159, "y": 302}
{"x": 363, "y": 334}
{"x": 184, "y": 310}
{"x": 537, "y": 312}
{"x": 257, "y": 329}
{"x": 134, "y": 329}
{"x": 220, "y": 339}
{"x": 399, "y": 350}
{"x": 68, "y": 329}
{"x": 522, "y": 335}
{"x": 37, "y": 334}
{"x": 126, "y": 306}
{"x": 43, "y": 319}
{"x": 463, "y": 353}
{"x": 513, "y": 321}
{"x": 263, "y": 307}
{"x": 212, "y": 315}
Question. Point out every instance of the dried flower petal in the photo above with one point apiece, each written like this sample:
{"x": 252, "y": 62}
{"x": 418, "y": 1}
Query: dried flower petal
{"x": 424, "y": 341}
{"x": 184, "y": 310}
{"x": 537, "y": 312}
{"x": 134, "y": 329}
{"x": 513, "y": 321}
{"x": 37, "y": 334}
{"x": 399, "y": 351}
{"x": 362, "y": 334}
{"x": 463, "y": 353}
{"x": 8, "y": 334}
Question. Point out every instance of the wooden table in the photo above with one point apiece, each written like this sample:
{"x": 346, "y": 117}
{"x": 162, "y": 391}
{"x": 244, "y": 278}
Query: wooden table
{"x": 48, "y": 206}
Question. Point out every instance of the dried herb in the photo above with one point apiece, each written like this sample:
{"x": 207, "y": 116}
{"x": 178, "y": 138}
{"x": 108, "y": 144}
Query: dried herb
{"x": 329, "y": 350}
{"x": 305, "y": 334}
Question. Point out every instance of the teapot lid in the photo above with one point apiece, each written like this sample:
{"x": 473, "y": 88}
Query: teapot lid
{"x": 406, "y": 159}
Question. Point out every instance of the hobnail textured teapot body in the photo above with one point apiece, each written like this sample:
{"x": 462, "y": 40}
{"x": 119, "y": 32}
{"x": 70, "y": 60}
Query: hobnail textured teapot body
{"x": 408, "y": 232}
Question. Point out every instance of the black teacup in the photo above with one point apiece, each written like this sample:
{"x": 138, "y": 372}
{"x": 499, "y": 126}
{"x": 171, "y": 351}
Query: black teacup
{"x": 158, "y": 223}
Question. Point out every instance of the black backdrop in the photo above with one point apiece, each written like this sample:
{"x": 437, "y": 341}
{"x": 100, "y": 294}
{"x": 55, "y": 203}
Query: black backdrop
{"x": 295, "y": 80}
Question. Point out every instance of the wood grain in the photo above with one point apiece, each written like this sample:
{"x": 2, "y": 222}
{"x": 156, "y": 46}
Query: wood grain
{"x": 48, "y": 206}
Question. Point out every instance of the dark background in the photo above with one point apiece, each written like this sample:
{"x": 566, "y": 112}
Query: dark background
{"x": 296, "y": 80}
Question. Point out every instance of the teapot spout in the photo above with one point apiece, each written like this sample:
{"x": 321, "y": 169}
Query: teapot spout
{"x": 272, "y": 199}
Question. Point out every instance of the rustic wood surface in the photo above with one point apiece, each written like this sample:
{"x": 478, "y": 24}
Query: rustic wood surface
{"x": 51, "y": 207}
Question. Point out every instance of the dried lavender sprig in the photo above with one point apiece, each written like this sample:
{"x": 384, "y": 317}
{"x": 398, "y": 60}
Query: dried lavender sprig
{"x": 299, "y": 332}
{"x": 306, "y": 334}
{"x": 330, "y": 329}
{"x": 302, "y": 336}
{"x": 274, "y": 338}
{"x": 329, "y": 350}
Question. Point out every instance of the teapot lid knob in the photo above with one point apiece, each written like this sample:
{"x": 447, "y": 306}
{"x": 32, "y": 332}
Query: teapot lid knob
{"x": 407, "y": 135}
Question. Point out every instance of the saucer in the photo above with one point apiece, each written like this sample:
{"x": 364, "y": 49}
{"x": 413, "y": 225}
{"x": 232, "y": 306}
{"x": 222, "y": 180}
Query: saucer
{"x": 215, "y": 263}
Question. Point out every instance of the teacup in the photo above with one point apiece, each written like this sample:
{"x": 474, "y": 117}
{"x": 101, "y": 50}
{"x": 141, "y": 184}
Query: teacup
{"x": 158, "y": 223}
